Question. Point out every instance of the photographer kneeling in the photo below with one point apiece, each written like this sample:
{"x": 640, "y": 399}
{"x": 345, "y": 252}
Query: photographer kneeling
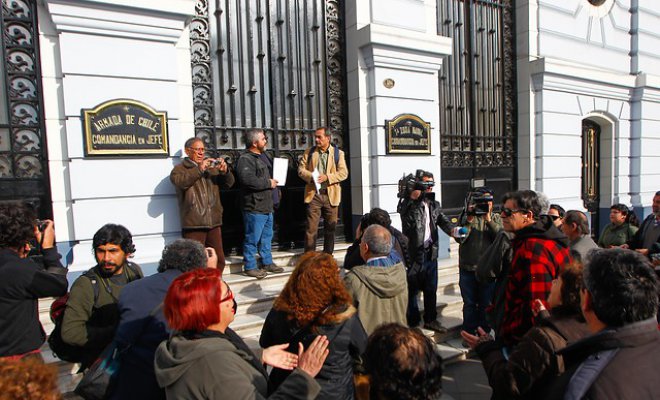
{"x": 420, "y": 215}
{"x": 480, "y": 228}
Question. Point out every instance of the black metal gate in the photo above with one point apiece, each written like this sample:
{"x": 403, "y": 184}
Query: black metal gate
{"x": 591, "y": 172}
{"x": 23, "y": 156}
{"x": 477, "y": 98}
{"x": 278, "y": 65}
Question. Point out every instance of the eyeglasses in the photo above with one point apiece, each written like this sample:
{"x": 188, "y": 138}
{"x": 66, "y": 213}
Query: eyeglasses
{"x": 554, "y": 217}
{"x": 229, "y": 296}
{"x": 197, "y": 150}
{"x": 507, "y": 212}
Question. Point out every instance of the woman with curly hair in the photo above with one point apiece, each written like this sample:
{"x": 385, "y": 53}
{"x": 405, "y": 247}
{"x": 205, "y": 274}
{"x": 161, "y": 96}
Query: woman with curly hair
{"x": 622, "y": 227}
{"x": 315, "y": 302}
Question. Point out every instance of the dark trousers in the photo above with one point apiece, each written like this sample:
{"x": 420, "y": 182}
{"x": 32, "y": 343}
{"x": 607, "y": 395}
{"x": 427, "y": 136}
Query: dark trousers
{"x": 427, "y": 283}
{"x": 208, "y": 238}
{"x": 320, "y": 206}
{"x": 476, "y": 298}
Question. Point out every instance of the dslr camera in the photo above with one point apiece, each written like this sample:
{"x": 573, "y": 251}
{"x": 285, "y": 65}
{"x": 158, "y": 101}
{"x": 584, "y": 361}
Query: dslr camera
{"x": 476, "y": 201}
{"x": 409, "y": 183}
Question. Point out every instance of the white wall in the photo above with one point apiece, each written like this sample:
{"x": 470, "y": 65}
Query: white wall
{"x": 93, "y": 51}
{"x": 575, "y": 62}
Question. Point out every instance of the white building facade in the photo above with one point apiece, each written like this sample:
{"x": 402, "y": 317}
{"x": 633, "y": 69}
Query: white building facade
{"x": 579, "y": 66}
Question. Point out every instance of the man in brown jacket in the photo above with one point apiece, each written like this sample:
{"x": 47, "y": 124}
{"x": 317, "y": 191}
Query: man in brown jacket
{"x": 330, "y": 163}
{"x": 197, "y": 180}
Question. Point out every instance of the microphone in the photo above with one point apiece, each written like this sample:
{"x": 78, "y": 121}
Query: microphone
{"x": 459, "y": 232}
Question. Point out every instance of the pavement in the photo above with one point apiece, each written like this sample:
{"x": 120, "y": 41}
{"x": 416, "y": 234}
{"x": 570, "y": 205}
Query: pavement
{"x": 465, "y": 380}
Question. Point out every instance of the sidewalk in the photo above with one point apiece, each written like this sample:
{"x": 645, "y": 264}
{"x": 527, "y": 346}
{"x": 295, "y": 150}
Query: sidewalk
{"x": 465, "y": 380}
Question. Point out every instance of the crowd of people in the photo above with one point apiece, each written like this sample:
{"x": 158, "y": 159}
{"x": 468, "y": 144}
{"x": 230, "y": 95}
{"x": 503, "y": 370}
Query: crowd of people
{"x": 550, "y": 312}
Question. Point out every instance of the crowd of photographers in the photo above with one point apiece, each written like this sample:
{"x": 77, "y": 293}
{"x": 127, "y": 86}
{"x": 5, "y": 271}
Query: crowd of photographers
{"x": 550, "y": 311}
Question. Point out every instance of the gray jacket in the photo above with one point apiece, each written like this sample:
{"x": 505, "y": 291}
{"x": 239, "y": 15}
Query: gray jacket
{"x": 214, "y": 368}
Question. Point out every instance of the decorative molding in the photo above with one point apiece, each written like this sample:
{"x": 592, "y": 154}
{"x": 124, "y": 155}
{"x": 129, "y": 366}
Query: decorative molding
{"x": 159, "y": 21}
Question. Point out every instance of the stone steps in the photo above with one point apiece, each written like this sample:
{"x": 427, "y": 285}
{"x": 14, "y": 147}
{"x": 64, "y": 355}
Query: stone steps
{"x": 255, "y": 299}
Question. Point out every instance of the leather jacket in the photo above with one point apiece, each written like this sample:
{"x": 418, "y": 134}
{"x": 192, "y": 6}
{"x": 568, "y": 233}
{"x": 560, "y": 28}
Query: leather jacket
{"x": 198, "y": 194}
{"x": 413, "y": 220}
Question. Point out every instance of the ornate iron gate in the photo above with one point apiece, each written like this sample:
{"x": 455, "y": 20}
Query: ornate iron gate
{"x": 591, "y": 171}
{"x": 278, "y": 65}
{"x": 23, "y": 156}
{"x": 477, "y": 98}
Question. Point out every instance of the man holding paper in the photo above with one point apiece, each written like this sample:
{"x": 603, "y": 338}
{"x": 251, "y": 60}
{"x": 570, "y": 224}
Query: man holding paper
{"x": 259, "y": 194}
{"x": 323, "y": 167}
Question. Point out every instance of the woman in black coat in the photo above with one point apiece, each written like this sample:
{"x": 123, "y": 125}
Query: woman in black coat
{"x": 315, "y": 302}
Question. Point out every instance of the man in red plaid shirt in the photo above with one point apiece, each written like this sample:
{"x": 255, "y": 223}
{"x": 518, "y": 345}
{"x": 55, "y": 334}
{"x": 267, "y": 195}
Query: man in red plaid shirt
{"x": 540, "y": 250}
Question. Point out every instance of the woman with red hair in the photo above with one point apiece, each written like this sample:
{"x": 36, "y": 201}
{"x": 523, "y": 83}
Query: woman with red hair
{"x": 315, "y": 302}
{"x": 205, "y": 359}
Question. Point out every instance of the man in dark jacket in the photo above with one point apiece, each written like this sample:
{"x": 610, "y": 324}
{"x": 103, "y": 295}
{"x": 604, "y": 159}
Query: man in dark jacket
{"x": 481, "y": 227}
{"x": 619, "y": 303}
{"x": 198, "y": 180}
{"x": 142, "y": 325}
{"x": 23, "y": 281}
{"x": 91, "y": 315}
{"x": 647, "y": 239}
{"x": 257, "y": 186}
{"x": 540, "y": 250}
{"x": 420, "y": 217}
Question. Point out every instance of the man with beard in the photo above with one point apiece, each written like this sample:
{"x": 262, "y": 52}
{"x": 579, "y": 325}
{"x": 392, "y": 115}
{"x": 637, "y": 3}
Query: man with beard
{"x": 91, "y": 316}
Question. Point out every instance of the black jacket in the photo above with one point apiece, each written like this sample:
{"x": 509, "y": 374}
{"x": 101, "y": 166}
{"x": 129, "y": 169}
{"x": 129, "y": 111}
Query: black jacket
{"x": 631, "y": 374}
{"x": 22, "y": 283}
{"x": 348, "y": 341}
{"x": 354, "y": 258}
{"x": 254, "y": 178}
{"x": 637, "y": 241}
{"x": 413, "y": 220}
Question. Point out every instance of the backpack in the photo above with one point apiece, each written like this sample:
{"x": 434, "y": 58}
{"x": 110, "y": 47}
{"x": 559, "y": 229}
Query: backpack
{"x": 311, "y": 150}
{"x": 58, "y": 346}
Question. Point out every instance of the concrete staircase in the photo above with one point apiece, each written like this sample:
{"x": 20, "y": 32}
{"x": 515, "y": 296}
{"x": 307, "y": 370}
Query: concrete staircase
{"x": 255, "y": 299}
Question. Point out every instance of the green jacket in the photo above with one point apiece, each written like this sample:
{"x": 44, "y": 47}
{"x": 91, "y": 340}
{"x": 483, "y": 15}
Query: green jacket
{"x": 214, "y": 368}
{"x": 616, "y": 235}
{"x": 92, "y": 324}
{"x": 379, "y": 293}
{"x": 480, "y": 236}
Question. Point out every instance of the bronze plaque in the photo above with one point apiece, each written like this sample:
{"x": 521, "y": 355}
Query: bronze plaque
{"x": 408, "y": 134}
{"x": 125, "y": 127}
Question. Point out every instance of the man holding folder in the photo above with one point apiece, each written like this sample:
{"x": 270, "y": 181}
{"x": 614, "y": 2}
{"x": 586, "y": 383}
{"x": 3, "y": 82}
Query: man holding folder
{"x": 323, "y": 167}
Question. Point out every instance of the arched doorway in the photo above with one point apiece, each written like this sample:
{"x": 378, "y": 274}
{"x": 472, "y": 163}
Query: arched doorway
{"x": 591, "y": 187}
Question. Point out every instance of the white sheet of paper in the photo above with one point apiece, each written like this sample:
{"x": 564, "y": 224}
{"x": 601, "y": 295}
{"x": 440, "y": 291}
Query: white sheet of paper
{"x": 280, "y": 169}
{"x": 315, "y": 178}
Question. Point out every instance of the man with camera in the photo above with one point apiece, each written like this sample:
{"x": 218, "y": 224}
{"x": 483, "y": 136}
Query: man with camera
{"x": 198, "y": 180}
{"x": 420, "y": 217}
{"x": 479, "y": 226}
{"x": 23, "y": 281}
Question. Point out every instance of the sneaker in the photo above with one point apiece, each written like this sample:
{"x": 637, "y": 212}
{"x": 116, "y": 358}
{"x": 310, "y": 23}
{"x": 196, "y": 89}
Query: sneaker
{"x": 435, "y": 326}
{"x": 272, "y": 268}
{"x": 256, "y": 273}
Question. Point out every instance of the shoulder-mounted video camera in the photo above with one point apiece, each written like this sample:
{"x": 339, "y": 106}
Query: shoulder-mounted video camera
{"x": 409, "y": 183}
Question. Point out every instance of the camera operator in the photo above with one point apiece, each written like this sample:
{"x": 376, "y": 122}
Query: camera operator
{"x": 23, "y": 281}
{"x": 480, "y": 228}
{"x": 420, "y": 217}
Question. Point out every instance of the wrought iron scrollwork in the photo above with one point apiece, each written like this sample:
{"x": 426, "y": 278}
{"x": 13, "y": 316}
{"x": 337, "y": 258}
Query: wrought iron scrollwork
{"x": 23, "y": 164}
{"x": 335, "y": 73}
{"x": 202, "y": 78}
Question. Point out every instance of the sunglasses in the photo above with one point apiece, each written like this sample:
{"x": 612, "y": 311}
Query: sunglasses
{"x": 507, "y": 212}
{"x": 554, "y": 217}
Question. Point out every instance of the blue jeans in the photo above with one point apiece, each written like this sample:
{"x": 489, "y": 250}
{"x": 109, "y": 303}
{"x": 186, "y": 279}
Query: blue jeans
{"x": 258, "y": 232}
{"x": 427, "y": 283}
{"x": 476, "y": 297}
